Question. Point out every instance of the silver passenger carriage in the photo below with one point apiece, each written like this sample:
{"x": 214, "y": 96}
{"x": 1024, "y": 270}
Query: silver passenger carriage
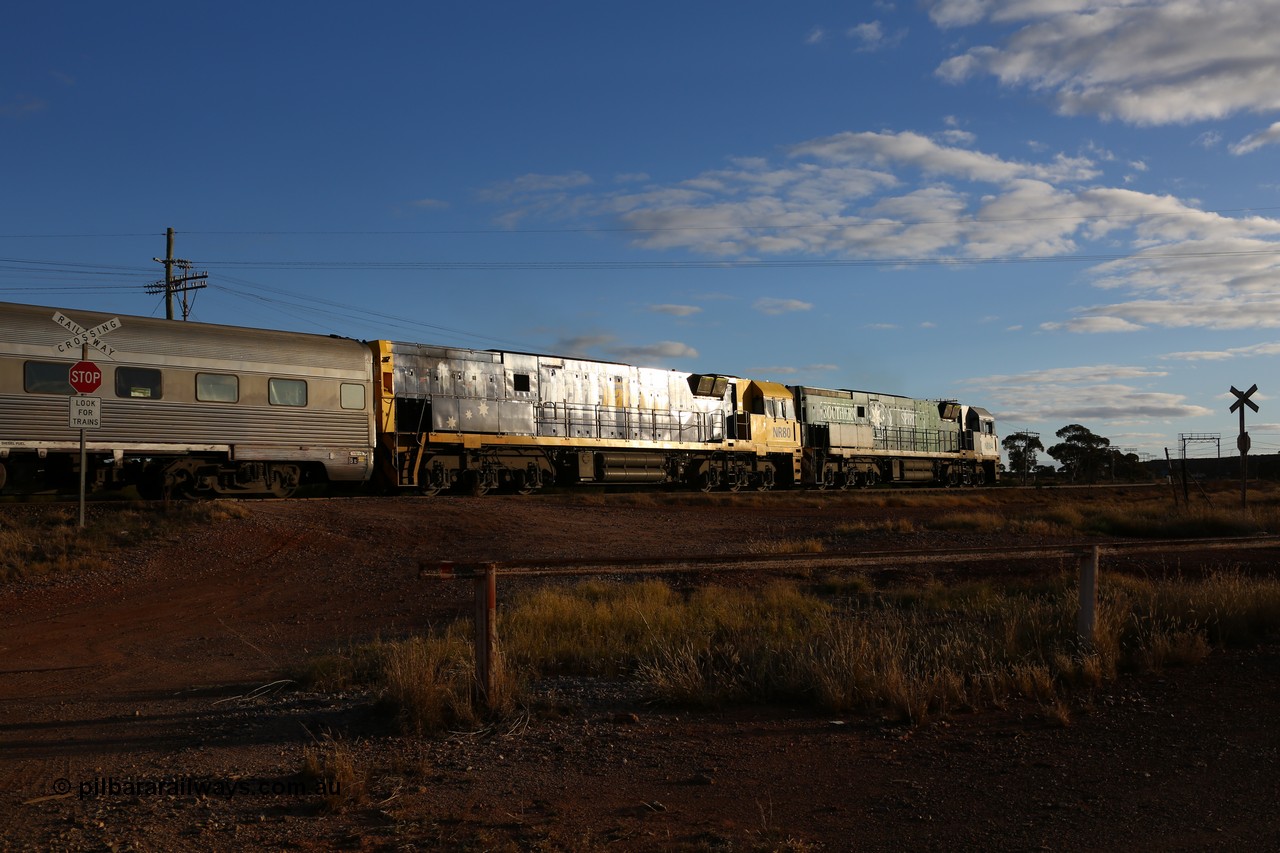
{"x": 186, "y": 407}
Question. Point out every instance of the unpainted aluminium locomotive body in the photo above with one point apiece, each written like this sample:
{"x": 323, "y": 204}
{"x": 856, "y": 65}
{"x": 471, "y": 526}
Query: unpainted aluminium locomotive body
{"x": 486, "y": 419}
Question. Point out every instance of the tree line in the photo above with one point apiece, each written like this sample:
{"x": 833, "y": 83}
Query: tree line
{"x": 1082, "y": 456}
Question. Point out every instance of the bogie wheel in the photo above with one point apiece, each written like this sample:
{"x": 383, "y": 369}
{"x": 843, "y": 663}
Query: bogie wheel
{"x": 282, "y": 489}
{"x": 477, "y": 484}
{"x": 522, "y": 483}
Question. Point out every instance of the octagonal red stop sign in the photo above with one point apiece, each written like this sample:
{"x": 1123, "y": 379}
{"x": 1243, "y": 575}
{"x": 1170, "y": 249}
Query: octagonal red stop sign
{"x": 85, "y": 377}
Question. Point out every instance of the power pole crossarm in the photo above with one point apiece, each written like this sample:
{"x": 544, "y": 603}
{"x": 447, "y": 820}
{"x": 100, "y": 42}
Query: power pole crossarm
{"x": 172, "y": 284}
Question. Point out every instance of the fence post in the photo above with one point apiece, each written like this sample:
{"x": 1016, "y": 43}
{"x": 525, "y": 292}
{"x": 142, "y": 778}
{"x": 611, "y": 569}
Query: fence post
{"x": 1086, "y": 621}
{"x": 486, "y": 635}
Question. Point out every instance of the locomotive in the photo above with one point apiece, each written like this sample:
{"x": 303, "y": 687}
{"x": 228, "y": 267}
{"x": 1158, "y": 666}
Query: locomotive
{"x": 197, "y": 409}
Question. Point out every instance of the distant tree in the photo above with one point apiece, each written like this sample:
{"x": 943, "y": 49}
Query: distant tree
{"x": 1082, "y": 454}
{"x": 1128, "y": 466}
{"x": 1022, "y": 447}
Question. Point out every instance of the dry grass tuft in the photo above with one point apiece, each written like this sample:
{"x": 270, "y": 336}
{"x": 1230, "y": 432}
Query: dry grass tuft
{"x": 330, "y": 767}
{"x": 812, "y": 545}
{"x": 41, "y": 540}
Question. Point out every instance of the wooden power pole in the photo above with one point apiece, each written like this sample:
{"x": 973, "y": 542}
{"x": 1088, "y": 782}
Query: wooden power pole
{"x": 172, "y": 284}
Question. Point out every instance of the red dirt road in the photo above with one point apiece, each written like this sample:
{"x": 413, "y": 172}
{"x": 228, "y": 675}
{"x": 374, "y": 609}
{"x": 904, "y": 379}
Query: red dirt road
{"x": 138, "y": 710}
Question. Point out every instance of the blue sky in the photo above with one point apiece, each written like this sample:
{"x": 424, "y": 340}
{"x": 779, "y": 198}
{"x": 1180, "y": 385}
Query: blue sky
{"x": 1067, "y": 211}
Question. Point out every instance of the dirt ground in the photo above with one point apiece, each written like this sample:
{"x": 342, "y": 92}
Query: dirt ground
{"x": 141, "y": 709}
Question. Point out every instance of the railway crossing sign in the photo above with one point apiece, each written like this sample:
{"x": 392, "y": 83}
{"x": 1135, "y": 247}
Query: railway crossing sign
{"x": 1242, "y": 399}
{"x": 82, "y": 337}
{"x": 1243, "y": 442}
{"x": 85, "y": 377}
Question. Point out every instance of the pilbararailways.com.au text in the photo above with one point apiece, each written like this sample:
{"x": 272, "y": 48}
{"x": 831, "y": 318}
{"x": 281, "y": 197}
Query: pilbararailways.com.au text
{"x": 191, "y": 786}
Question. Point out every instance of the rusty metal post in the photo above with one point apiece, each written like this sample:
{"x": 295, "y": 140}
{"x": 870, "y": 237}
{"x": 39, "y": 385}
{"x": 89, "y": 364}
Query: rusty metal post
{"x": 1087, "y": 620}
{"x": 486, "y": 638}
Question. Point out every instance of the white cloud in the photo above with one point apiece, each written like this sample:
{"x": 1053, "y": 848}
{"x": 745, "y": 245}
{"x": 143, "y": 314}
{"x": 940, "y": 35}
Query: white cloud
{"x": 1253, "y": 350}
{"x": 902, "y": 196}
{"x": 1094, "y": 324}
{"x": 22, "y": 106}
{"x": 781, "y": 370}
{"x": 871, "y": 36}
{"x": 607, "y": 346}
{"x": 534, "y": 183}
{"x": 430, "y": 203}
{"x": 675, "y": 310}
{"x": 1209, "y": 139}
{"x": 1082, "y": 394}
{"x": 1139, "y": 61}
{"x": 1095, "y": 373}
{"x": 581, "y": 345}
{"x": 1254, "y": 141}
{"x": 660, "y": 351}
{"x": 770, "y": 305}
{"x": 816, "y": 36}
{"x": 957, "y": 137}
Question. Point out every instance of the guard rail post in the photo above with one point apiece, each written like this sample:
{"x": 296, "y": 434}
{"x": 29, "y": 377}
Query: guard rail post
{"x": 1086, "y": 620}
{"x": 485, "y": 576}
{"x": 486, "y": 640}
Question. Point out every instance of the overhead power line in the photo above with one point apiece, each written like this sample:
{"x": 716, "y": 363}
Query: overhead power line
{"x": 724, "y": 264}
{"x": 627, "y": 229}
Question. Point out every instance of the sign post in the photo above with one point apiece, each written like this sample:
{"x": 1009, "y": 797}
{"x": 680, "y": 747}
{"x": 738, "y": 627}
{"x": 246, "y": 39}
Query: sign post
{"x": 1243, "y": 442}
{"x": 84, "y": 377}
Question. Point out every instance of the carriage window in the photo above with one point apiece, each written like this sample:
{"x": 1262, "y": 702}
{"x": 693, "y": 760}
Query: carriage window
{"x": 44, "y": 377}
{"x": 217, "y": 388}
{"x": 520, "y": 381}
{"x": 286, "y": 392}
{"x": 352, "y": 396}
{"x": 138, "y": 382}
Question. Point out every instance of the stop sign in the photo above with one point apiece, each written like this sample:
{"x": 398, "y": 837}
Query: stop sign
{"x": 85, "y": 377}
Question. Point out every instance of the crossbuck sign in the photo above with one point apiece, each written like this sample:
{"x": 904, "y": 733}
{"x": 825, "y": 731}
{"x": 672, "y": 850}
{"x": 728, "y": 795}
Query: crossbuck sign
{"x": 82, "y": 337}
